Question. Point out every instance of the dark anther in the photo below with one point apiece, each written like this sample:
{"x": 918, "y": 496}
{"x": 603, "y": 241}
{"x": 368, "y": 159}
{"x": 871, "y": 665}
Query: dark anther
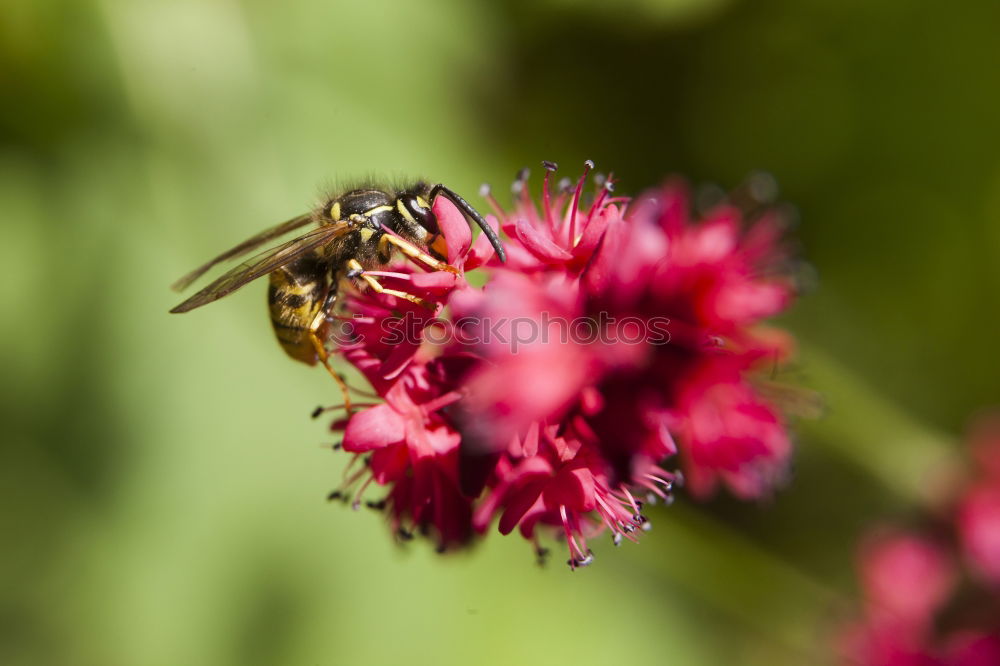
{"x": 589, "y": 164}
{"x": 440, "y": 548}
{"x": 404, "y": 534}
{"x": 335, "y": 495}
{"x": 600, "y": 179}
{"x": 609, "y": 185}
{"x": 541, "y": 556}
{"x": 617, "y": 539}
{"x": 565, "y": 185}
{"x": 337, "y": 446}
{"x": 646, "y": 526}
{"x": 355, "y": 505}
{"x": 640, "y": 519}
{"x": 549, "y": 166}
{"x": 762, "y": 186}
{"x": 679, "y": 479}
{"x": 708, "y": 196}
{"x": 485, "y": 189}
{"x": 316, "y": 412}
{"x": 669, "y": 499}
{"x": 522, "y": 175}
{"x": 377, "y": 505}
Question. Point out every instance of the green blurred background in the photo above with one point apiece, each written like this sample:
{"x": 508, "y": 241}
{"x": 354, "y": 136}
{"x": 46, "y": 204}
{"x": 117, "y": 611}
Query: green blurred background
{"x": 162, "y": 485}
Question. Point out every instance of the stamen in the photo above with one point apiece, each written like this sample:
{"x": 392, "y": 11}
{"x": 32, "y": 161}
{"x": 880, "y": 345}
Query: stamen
{"x": 486, "y": 192}
{"x": 442, "y": 401}
{"x": 598, "y": 202}
{"x": 631, "y": 500}
{"x": 520, "y": 181}
{"x": 571, "y": 214}
{"x": 320, "y": 410}
{"x": 549, "y": 167}
{"x": 356, "y": 504}
{"x": 521, "y": 188}
{"x": 574, "y": 547}
{"x": 679, "y": 479}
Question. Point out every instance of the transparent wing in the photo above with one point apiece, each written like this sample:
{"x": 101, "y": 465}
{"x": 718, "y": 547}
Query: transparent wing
{"x": 249, "y": 244}
{"x": 262, "y": 264}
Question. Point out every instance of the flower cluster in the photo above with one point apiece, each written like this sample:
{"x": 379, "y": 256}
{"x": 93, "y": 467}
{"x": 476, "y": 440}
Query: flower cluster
{"x": 619, "y": 333}
{"x": 932, "y": 596}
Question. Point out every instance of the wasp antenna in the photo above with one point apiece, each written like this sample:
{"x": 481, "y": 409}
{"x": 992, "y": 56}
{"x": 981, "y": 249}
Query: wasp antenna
{"x": 470, "y": 214}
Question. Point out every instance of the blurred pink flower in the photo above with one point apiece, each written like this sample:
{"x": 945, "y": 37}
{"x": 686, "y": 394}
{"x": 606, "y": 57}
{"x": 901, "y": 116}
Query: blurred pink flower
{"x": 920, "y": 606}
{"x": 979, "y": 508}
{"x": 905, "y": 579}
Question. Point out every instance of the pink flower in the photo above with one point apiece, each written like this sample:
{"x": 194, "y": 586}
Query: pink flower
{"x": 617, "y": 335}
{"x": 414, "y": 451}
{"x": 406, "y": 442}
{"x": 652, "y": 310}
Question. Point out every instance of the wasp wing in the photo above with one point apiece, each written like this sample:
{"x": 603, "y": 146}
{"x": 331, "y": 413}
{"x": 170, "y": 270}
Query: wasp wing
{"x": 249, "y": 244}
{"x": 262, "y": 264}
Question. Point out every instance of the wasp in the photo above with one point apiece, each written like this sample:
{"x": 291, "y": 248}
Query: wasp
{"x": 357, "y": 231}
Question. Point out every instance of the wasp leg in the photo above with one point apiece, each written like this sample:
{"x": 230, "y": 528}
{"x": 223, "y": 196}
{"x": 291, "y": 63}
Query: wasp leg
{"x": 324, "y": 357}
{"x": 355, "y": 269}
{"x": 415, "y": 253}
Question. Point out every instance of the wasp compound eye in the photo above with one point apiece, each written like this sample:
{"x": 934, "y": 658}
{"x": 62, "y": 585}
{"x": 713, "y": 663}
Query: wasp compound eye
{"x": 422, "y": 214}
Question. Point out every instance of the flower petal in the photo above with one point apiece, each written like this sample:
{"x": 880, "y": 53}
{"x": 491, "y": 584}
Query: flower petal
{"x": 518, "y": 504}
{"x": 573, "y": 488}
{"x": 454, "y": 227}
{"x": 538, "y": 244}
{"x": 373, "y": 428}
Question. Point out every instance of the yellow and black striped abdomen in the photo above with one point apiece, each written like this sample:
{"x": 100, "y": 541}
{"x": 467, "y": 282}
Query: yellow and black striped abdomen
{"x": 295, "y": 297}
